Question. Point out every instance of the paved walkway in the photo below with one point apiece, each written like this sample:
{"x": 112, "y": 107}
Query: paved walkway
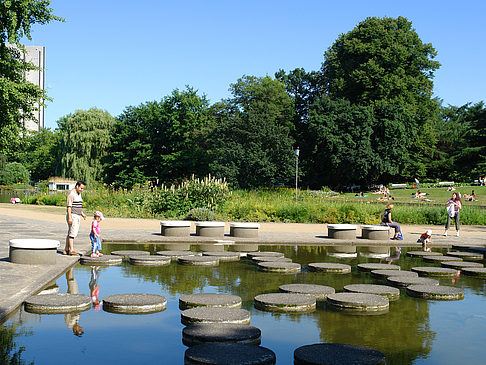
{"x": 17, "y": 282}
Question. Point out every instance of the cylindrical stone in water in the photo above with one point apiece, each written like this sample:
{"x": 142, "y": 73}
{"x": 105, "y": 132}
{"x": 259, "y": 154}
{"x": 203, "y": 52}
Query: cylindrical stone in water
{"x": 106, "y": 260}
{"x": 404, "y": 281}
{"x": 216, "y": 300}
{"x": 390, "y": 292}
{"x": 437, "y": 292}
{"x": 126, "y": 254}
{"x": 223, "y": 256}
{"x": 434, "y": 271}
{"x": 358, "y": 302}
{"x": 475, "y": 271}
{"x": 250, "y": 255}
{"x": 215, "y": 315}
{"x": 459, "y": 265}
{"x": 285, "y": 302}
{"x": 439, "y": 259}
{"x": 220, "y": 333}
{"x": 383, "y": 274}
{"x": 423, "y": 253}
{"x": 281, "y": 267}
{"x": 174, "y": 255}
{"x": 134, "y": 303}
{"x": 330, "y": 267}
{"x": 320, "y": 292}
{"x": 258, "y": 259}
{"x": 465, "y": 255}
{"x": 371, "y": 267}
{"x": 57, "y": 303}
{"x": 149, "y": 260}
{"x": 337, "y": 353}
{"x": 228, "y": 354}
{"x": 198, "y": 261}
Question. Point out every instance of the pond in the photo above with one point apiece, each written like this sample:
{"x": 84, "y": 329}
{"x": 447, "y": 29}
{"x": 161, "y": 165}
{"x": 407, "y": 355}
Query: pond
{"x": 413, "y": 331}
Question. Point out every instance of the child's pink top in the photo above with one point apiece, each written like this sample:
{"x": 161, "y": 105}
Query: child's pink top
{"x": 95, "y": 227}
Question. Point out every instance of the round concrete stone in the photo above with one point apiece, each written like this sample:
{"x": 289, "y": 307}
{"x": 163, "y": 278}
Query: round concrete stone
{"x": 215, "y": 315}
{"x": 33, "y": 251}
{"x": 383, "y": 274}
{"x": 371, "y": 267}
{"x": 228, "y": 354}
{"x": 464, "y": 247}
{"x": 258, "y": 259}
{"x": 285, "y": 302}
{"x": 434, "y": 271}
{"x": 106, "y": 260}
{"x": 224, "y": 256}
{"x": 57, "y": 303}
{"x": 129, "y": 253}
{"x": 439, "y": 259}
{"x": 481, "y": 250}
{"x": 216, "y": 300}
{"x": 220, "y": 333}
{"x": 134, "y": 303}
{"x": 385, "y": 290}
{"x": 320, "y": 292}
{"x": 174, "y": 255}
{"x": 422, "y": 253}
{"x": 404, "y": 281}
{"x": 149, "y": 260}
{"x": 459, "y": 265}
{"x": 198, "y": 261}
{"x": 282, "y": 267}
{"x": 437, "y": 292}
{"x": 358, "y": 302}
{"x": 475, "y": 271}
{"x": 337, "y": 354}
{"x": 465, "y": 255}
{"x": 330, "y": 267}
{"x": 250, "y": 255}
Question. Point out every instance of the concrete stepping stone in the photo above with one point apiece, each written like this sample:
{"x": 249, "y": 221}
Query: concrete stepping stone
{"x": 258, "y": 259}
{"x": 481, "y": 250}
{"x": 438, "y": 292}
{"x": 129, "y": 253}
{"x": 439, "y": 259}
{"x": 465, "y": 255}
{"x": 388, "y": 291}
{"x": 228, "y": 354}
{"x": 404, "y": 281}
{"x": 434, "y": 271}
{"x": 198, "y": 261}
{"x": 174, "y": 255}
{"x": 370, "y": 267}
{"x": 134, "y": 303}
{"x": 281, "y": 267}
{"x": 337, "y": 353}
{"x": 223, "y": 256}
{"x": 105, "y": 260}
{"x": 384, "y": 274}
{"x": 320, "y": 292}
{"x": 250, "y": 255}
{"x": 475, "y": 271}
{"x": 459, "y": 265}
{"x": 285, "y": 302}
{"x": 216, "y": 300}
{"x": 221, "y": 333}
{"x": 215, "y": 315}
{"x": 423, "y": 253}
{"x": 149, "y": 260}
{"x": 464, "y": 247}
{"x": 330, "y": 267}
{"x": 57, "y": 303}
{"x": 358, "y": 302}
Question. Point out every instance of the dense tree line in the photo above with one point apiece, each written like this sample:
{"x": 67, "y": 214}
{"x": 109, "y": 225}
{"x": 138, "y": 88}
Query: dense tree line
{"x": 367, "y": 116}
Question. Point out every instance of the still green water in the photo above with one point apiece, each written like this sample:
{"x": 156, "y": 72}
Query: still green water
{"x": 414, "y": 331}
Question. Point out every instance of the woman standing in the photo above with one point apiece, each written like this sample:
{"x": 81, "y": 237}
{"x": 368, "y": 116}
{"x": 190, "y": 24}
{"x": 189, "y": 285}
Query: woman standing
{"x": 386, "y": 219}
{"x": 454, "y": 205}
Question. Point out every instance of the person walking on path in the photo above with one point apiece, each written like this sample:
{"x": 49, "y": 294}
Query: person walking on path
{"x": 74, "y": 207}
{"x": 386, "y": 219}
{"x": 454, "y": 205}
{"x": 95, "y": 233}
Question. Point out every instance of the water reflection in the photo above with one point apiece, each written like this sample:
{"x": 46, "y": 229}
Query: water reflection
{"x": 72, "y": 319}
{"x": 342, "y": 251}
{"x": 374, "y": 252}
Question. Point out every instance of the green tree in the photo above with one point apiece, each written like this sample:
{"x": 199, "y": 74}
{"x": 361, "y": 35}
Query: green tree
{"x": 18, "y": 98}
{"x": 251, "y": 143}
{"x": 14, "y": 173}
{"x": 85, "y": 137}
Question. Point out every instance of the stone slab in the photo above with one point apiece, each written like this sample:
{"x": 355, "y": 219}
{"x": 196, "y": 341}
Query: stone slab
{"x": 250, "y": 255}
{"x": 320, "y": 292}
{"x": 228, "y": 354}
{"x": 434, "y": 271}
{"x": 390, "y": 292}
{"x": 174, "y": 255}
{"x": 215, "y": 315}
{"x": 216, "y": 300}
{"x": 404, "y": 281}
{"x": 337, "y": 354}
{"x": 280, "y": 267}
{"x": 126, "y": 254}
{"x": 223, "y": 256}
{"x": 423, "y": 253}
{"x": 330, "y": 267}
{"x": 285, "y": 302}
{"x": 258, "y": 259}
{"x": 466, "y": 255}
{"x": 358, "y": 302}
{"x": 221, "y": 333}
{"x": 57, "y": 303}
{"x": 383, "y": 274}
{"x": 475, "y": 271}
{"x": 149, "y": 260}
{"x": 370, "y": 267}
{"x": 134, "y": 303}
{"x": 106, "y": 260}
{"x": 459, "y": 265}
{"x": 437, "y": 292}
{"x": 198, "y": 261}
{"x": 439, "y": 259}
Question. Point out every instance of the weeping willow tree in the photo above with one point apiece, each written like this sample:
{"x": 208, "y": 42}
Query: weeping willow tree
{"x": 85, "y": 136}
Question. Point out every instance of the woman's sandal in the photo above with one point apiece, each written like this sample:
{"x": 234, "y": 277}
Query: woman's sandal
{"x": 72, "y": 253}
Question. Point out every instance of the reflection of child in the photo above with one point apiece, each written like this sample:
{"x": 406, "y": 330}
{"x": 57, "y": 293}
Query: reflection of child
{"x": 94, "y": 288}
{"x": 94, "y": 236}
{"x": 425, "y": 240}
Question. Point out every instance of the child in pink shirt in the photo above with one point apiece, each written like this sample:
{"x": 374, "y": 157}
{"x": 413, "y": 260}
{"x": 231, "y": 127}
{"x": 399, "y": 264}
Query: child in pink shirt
{"x": 95, "y": 236}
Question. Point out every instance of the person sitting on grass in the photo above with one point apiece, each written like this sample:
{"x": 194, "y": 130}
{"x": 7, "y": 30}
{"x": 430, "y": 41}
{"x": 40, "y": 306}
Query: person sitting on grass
{"x": 386, "y": 220}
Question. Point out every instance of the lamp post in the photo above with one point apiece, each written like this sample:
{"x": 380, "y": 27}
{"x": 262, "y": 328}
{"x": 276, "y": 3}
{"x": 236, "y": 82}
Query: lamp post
{"x": 296, "y": 152}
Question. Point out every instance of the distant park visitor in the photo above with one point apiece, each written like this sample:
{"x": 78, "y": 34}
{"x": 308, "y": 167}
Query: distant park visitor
{"x": 386, "y": 219}
{"x": 453, "y": 206}
{"x": 74, "y": 207}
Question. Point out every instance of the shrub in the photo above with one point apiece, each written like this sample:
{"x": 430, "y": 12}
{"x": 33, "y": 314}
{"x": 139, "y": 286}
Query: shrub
{"x": 14, "y": 173}
{"x": 200, "y": 214}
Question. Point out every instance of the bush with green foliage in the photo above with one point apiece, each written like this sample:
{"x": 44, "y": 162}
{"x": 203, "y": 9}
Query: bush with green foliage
{"x": 200, "y": 214}
{"x": 14, "y": 173}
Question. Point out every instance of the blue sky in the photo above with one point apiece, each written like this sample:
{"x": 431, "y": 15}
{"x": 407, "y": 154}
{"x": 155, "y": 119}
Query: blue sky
{"x": 112, "y": 54}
